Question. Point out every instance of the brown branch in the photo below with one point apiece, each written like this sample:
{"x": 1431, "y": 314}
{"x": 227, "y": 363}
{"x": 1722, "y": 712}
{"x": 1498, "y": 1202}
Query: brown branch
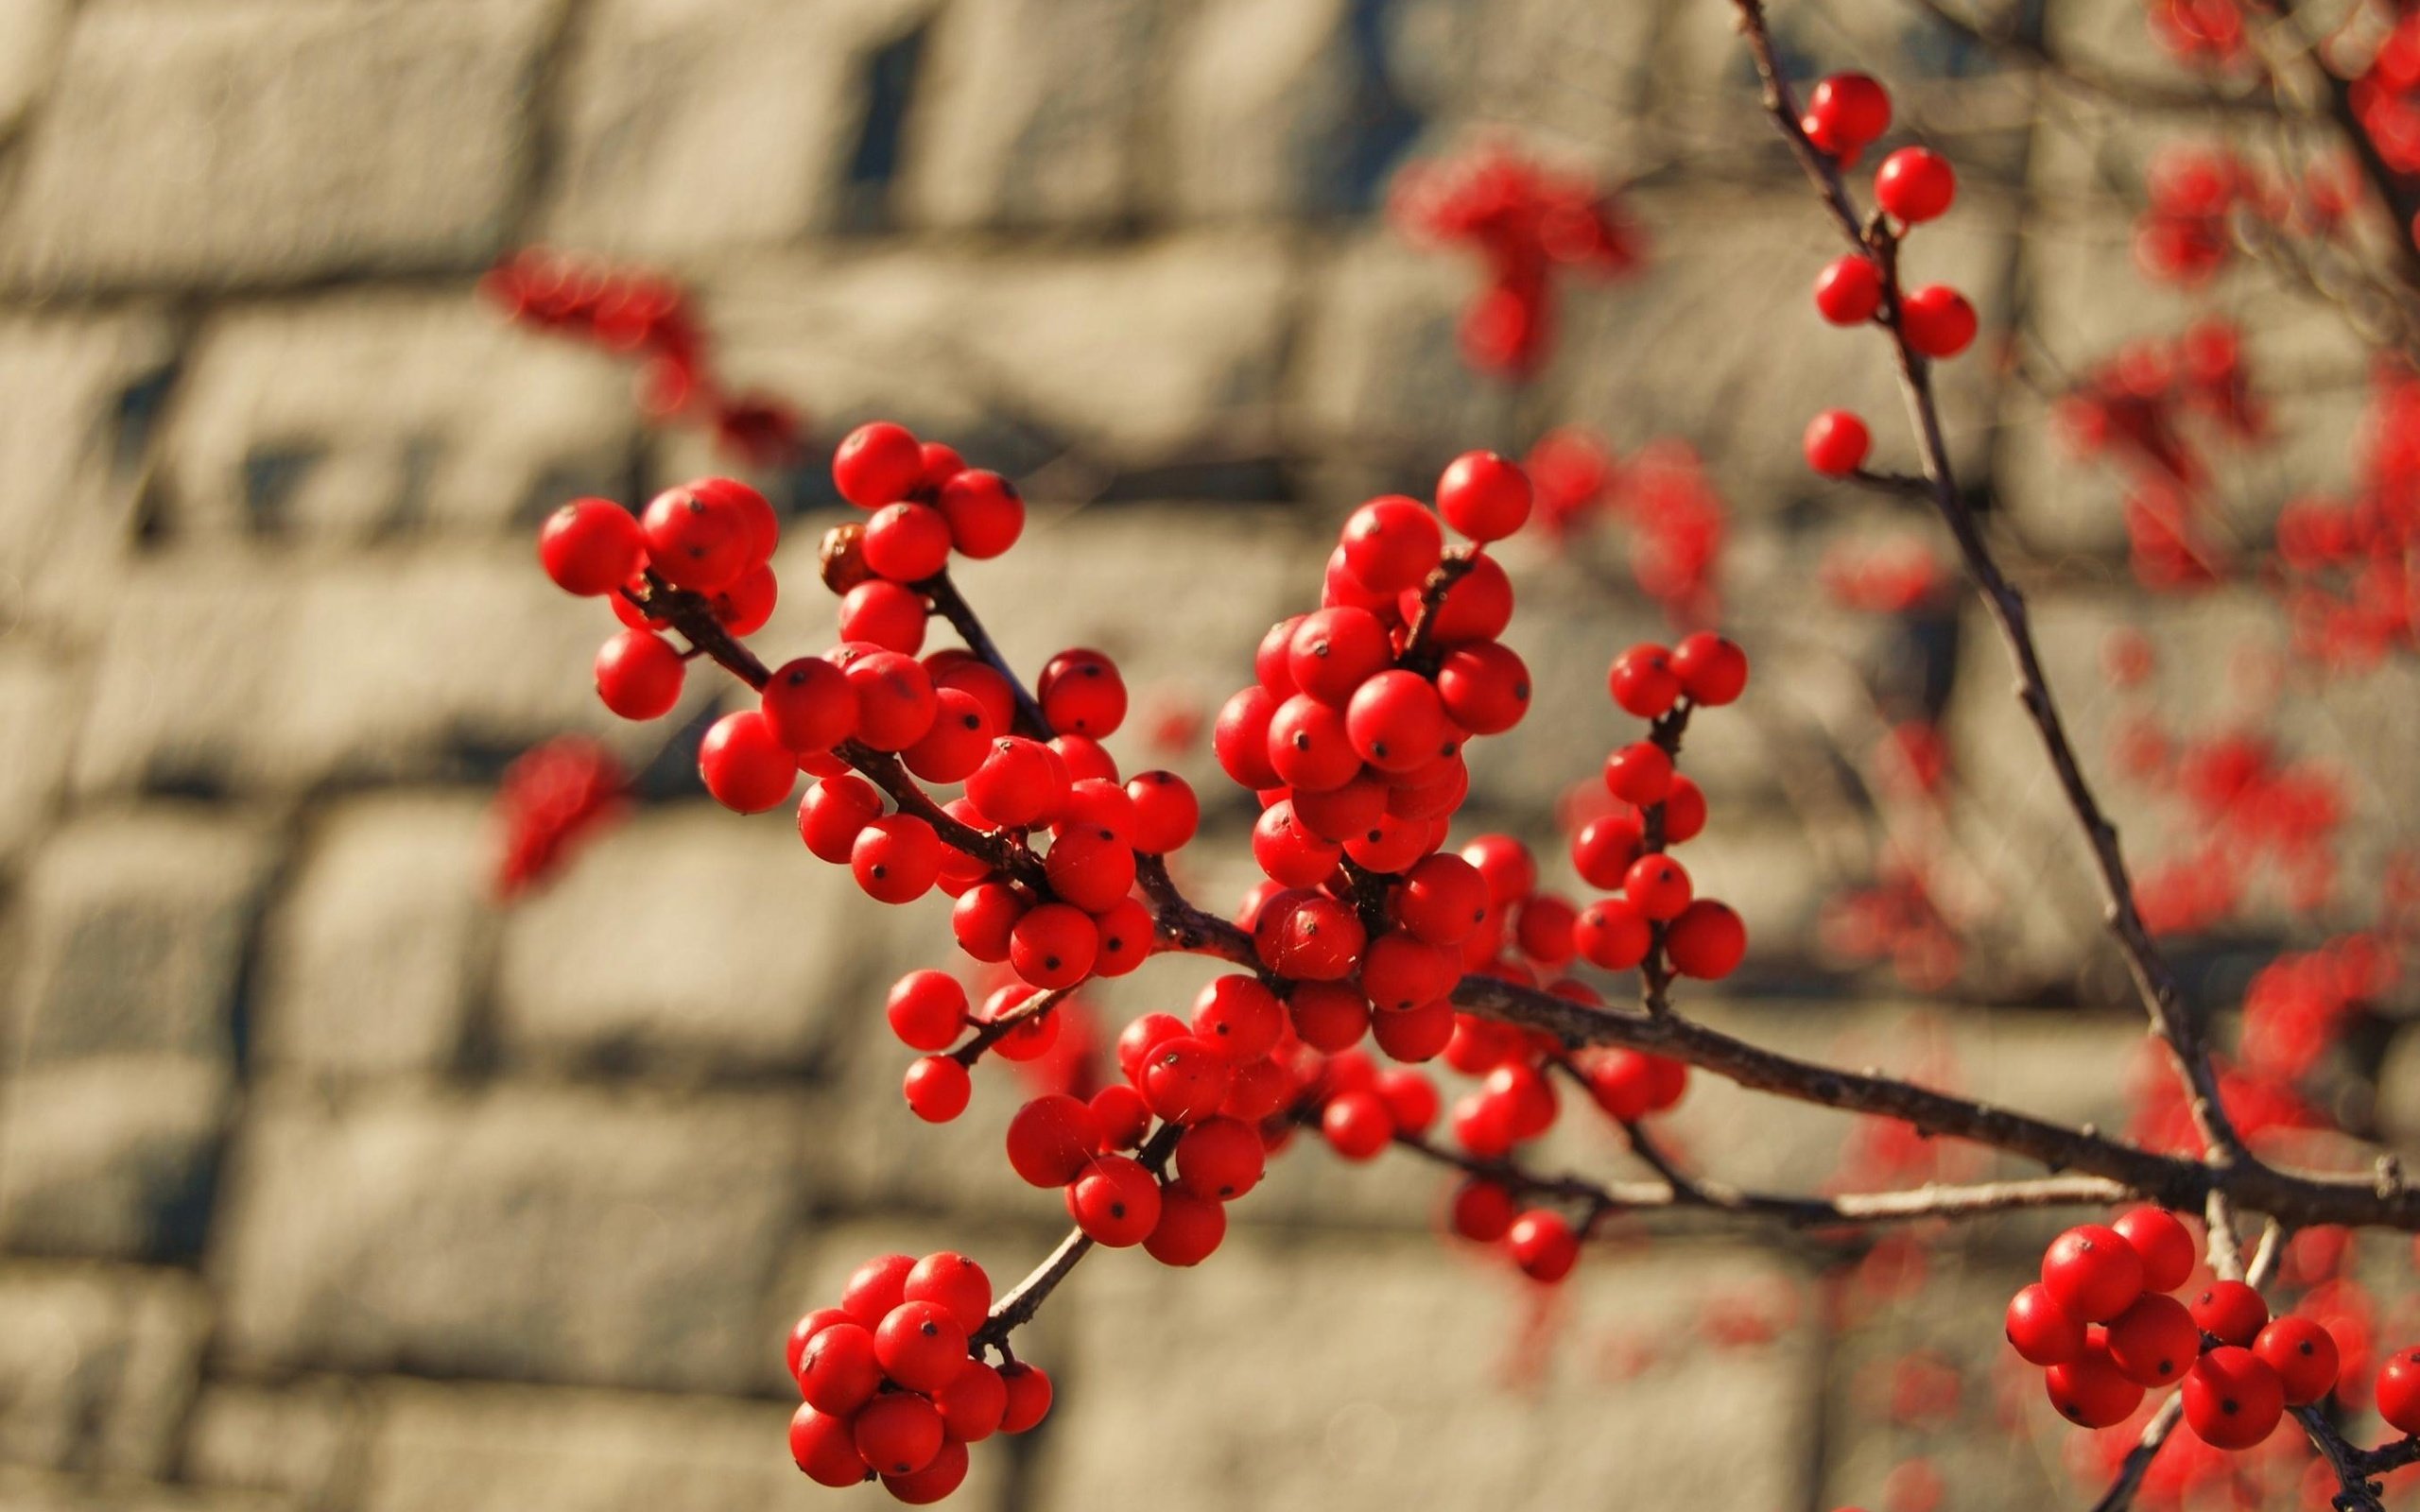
{"x": 962, "y": 618}
{"x": 1040, "y": 1006}
{"x": 1419, "y": 654}
{"x": 2152, "y": 975}
{"x": 1018, "y": 1305}
{"x": 1849, "y": 1209}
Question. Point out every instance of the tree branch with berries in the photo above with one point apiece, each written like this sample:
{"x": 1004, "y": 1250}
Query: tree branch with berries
{"x": 1378, "y": 953}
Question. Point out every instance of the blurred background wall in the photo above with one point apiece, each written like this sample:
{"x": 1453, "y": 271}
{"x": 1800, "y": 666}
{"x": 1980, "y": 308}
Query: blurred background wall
{"x": 326, "y": 1185}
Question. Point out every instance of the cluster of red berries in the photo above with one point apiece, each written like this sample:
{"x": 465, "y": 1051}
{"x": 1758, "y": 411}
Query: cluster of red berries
{"x": 647, "y": 314}
{"x": 2136, "y": 405}
{"x": 1898, "y": 577}
{"x": 1525, "y": 220}
{"x": 2386, "y": 97}
{"x": 553, "y": 797}
{"x": 2352, "y": 597}
{"x": 2183, "y": 234}
{"x": 2207, "y": 33}
{"x": 1844, "y": 114}
{"x": 2103, "y": 1324}
{"x": 892, "y": 1385}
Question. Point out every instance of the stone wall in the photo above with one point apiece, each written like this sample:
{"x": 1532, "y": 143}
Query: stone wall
{"x": 327, "y": 1187}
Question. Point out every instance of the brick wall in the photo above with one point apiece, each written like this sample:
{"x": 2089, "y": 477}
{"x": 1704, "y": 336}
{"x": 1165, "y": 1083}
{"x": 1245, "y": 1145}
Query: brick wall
{"x": 324, "y": 1186}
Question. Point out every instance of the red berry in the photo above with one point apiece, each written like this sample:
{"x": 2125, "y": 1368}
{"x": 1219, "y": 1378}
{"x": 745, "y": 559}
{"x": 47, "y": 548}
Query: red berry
{"x": 1683, "y": 812}
{"x": 1937, "y": 320}
{"x": 877, "y": 464}
{"x": 1237, "y": 1017}
{"x": 1639, "y": 773}
{"x": 2089, "y": 1391}
{"x": 1333, "y": 651}
{"x": 2231, "y": 1312}
{"x": 1309, "y": 937}
{"x": 1127, "y": 935}
{"x": 1605, "y": 847}
{"x": 896, "y": 858}
{"x": 1189, "y": 1232}
{"x": 884, "y": 613}
{"x": 1713, "y": 671}
{"x": 1392, "y": 544}
{"x": 833, "y": 812}
{"x": 2304, "y": 1354}
{"x": 984, "y": 511}
{"x": 1612, "y": 934}
{"x": 1658, "y": 886}
{"x": 809, "y": 705}
{"x": 1219, "y": 1159}
{"x": 907, "y": 542}
{"x": 1240, "y": 738}
{"x": 1021, "y": 783}
{"x": 1115, "y": 1201}
{"x": 1543, "y": 1245}
{"x": 1484, "y": 687}
{"x": 825, "y": 1448}
{"x": 1623, "y": 1084}
{"x": 1415, "y": 1035}
{"x": 1052, "y": 1139}
{"x": 1915, "y": 184}
{"x": 744, "y": 766}
{"x": 1845, "y": 112}
{"x": 1091, "y": 868}
{"x": 875, "y": 1287}
{"x": 1410, "y": 1098}
{"x": 1441, "y": 900}
{"x": 921, "y": 1343}
{"x": 1400, "y": 971}
{"x": 746, "y": 604}
{"x": 899, "y": 1433}
{"x": 1707, "y": 942}
{"x": 2154, "y": 1342}
{"x": 945, "y": 1473}
{"x": 895, "y": 700}
{"x": 1483, "y": 496}
{"x": 1482, "y": 1211}
{"x": 926, "y": 1010}
{"x": 1396, "y": 722}
{"x": 1849, "y": 290}
{"x": 2041, "y": 1330}
{"x": 937, "y": 1088}
{"x": 1028, "y": 1396}
{"x": 1081, "y": 693}
{"x": 698, "y": 543}
{"x": 2232, "y": 1398}
{"x": 2092, "y": 1272}
{"x": 1053, "y": 945}
{"x": 2164, "y": 1244}
{"x": 1544, "y": 929}
{"x": 839, "y": 1371}
{"x": 639, "y": 675}
{"x": 1357, "y": 1125}
{"x": 2399, "y": 1391}
{"x": 1184, "y": 1080}
{"x": 959, "y": 738}
{"x": 807, "y": 1329}
{"x": 1165, "y": 812}
{"x": 590, "y": 547}
{"x": 1642, "y": 682}
{"x": 1308, "y": 748}
{"x": 971, "y": 1405}
{"x": 1328, "y": 1016}
{"x": 764, "y": 525}
{"x": 1477, "y": 607}
{"x": 1837, "y": 442}
{"x": 1287, "y": 850}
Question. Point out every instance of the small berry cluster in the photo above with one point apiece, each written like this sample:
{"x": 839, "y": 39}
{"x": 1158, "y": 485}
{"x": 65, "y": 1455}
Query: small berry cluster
{"x": 1526, "y": 221}
{"x": 553, "y": 797}
{"x": 1677, "y": 520}
{"x": 1845, "y": 113}
{"x": 2103, "y": 1326}
{"x": 647, "y": 315}
{"x": 2386, "y": 97}
{"x": 893, "y": 1384}
{"x": 2352, "y": 597}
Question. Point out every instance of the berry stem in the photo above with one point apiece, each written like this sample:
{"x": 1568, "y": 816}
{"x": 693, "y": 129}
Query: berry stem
{"x": 962, "y": 618}
{"x": 1017, "y": 1307}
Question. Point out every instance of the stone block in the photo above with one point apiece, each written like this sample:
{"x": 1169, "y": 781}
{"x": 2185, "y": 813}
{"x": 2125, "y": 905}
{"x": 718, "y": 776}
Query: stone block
{"x": 478, "y": 427}
{"x": 111, "y": 1156}
{"x": 533, "y": 1233}
{"x": 98, "y": 1366}
{"x": 308, "y": 1440}
{"x": 374, "y": 953}
{"x": 257, "y": 144}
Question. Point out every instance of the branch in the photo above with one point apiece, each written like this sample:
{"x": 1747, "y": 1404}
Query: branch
{"x": 961, "y": 617}
{"x": 2154, "y": 978}
{"x": 1851, "y": 1209}
{"x": 1021, "y": 1301}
